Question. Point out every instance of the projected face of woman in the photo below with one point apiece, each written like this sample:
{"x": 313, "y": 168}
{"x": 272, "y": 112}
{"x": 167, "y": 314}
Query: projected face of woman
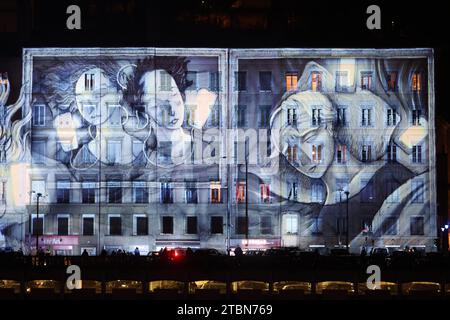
{"x": 310, "y": 149}
{"x": 93, "y": 93}
{"x": 163, "y": 99}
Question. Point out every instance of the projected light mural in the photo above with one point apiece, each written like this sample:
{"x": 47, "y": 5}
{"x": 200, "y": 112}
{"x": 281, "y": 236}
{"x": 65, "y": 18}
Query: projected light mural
{"x": 156, "y": 148}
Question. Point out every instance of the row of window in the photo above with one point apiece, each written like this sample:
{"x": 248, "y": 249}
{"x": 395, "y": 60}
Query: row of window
{"x": 216, "y": 226}
{"x": 388, "y": 227}
{"x": 141, "y": 225}
{"x": 342, "y": 81}
{"x": 91, "y": 79}
{"x": 141, "y": 194}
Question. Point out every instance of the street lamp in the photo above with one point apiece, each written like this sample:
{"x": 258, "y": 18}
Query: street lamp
{"x": 346, "y": 233}
{"x": 340, "y": 190}
{"x": 38, "y": 196}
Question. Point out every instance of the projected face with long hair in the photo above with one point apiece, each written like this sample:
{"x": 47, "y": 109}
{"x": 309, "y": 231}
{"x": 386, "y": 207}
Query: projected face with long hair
{"x": 302, "y": 129}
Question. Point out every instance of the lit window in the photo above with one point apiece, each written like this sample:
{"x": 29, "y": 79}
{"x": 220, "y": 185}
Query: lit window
{"x": 292, "y": 153}
{"x": 265, "y": 193}
{"x": 316, "y": 153}
{"x": 291, "y": 81}
{"x": 416, "y": 81}
{"x": 341, "y": 154}
{"x": 240, "y": 191}
{"x": 392, "y": 81}
{"x": 215, "y": 192}
{"x": 366, "y": 80}
{"x": 316, "y": 81}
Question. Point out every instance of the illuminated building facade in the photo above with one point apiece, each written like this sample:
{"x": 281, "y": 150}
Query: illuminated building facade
{"x": 155, "y": 148}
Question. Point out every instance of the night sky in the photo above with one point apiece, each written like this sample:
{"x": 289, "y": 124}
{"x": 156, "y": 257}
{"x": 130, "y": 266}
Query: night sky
{"x": 228, "y": 24}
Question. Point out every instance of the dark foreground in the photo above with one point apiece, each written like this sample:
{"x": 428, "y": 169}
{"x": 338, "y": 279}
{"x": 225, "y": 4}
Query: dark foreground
{"x": 302, "y": 276}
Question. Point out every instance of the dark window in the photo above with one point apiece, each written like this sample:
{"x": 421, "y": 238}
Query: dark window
{"x": 265, "y": 79}
{"x": 392, "y": 81}
{"x": 63, "y": 226}
{"x": 264, "y": 116}
{"x": 191, "y": 76}
{"x": 389, "y": 226}
{"x": 214, "y": 81}
{"x": 62, "y": 192}
{"x": 191, "y": 225}
{"x": 240, "y": 81}
{"x": 167, "y": 225}
{"x": 367, "y": 193}
{"x": 366, "y": 80}
{"x": 88, "y": 226}
{"x": 341, "y": 226}
{"x": 166, "y": 193}
{"x": 115, "y": 226}
{"x": 391, "y": 153}
{"x": 140, "y": 192}
{"x": 415, "y": 121}
{"x": 38, "y": 226}
{"x": 115, "y": 192}
{"x": 88, "y": 192}
{"x": 191, "y": 193}
{"x": 241, "y": 225}
{"x": 216, "y": 225}
{"x": 266, "y": 225}
{"x": 417, "y": 226}
{"x": 61, "y": 155}
{"x": 417, "y": 154}
{"x": 141, "y": 226}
